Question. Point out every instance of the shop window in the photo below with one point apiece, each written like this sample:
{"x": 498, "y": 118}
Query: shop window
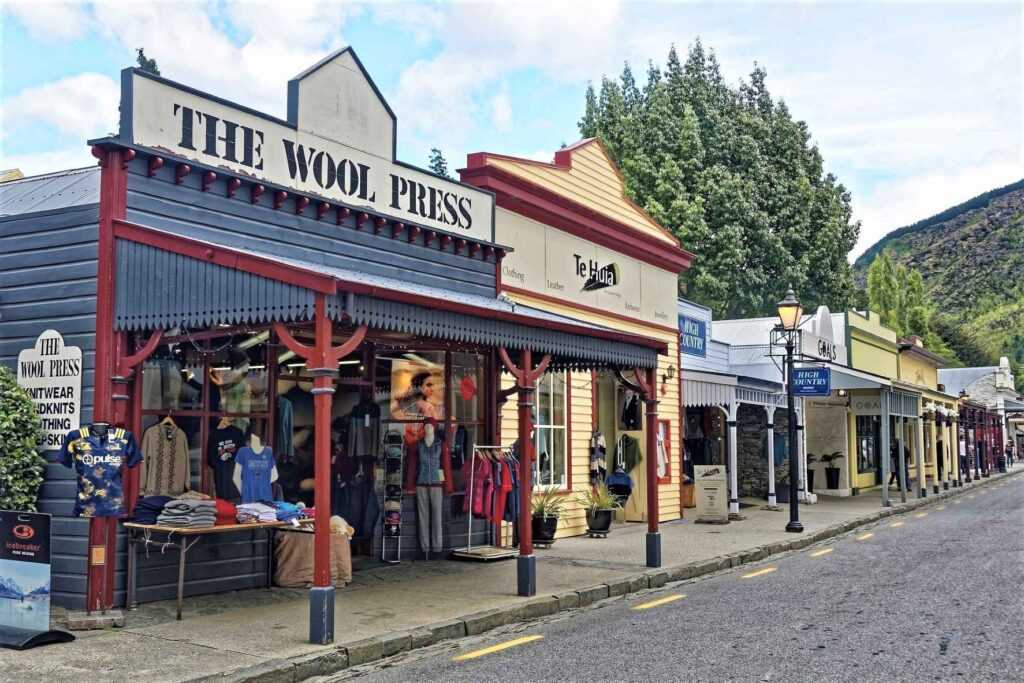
{"x": 410, "y": 385}
{"x": 868, "y": 440}
{"x": 551, "y": 464}
{"x": 665, "y": 456}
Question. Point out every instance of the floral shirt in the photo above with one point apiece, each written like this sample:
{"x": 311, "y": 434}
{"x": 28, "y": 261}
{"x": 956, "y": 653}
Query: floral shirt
{"x": 97, "y": 462}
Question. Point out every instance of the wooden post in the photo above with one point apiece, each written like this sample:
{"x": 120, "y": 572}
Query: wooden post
{"x": 653, "y": 535}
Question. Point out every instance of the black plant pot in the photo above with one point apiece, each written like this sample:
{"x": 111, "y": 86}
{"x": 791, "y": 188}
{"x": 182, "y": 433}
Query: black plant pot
{"x": 810, "y": 480}
{"x": 544, "y": 529}
{"x": 599, "y": 521}
{"x": 832, "y": 478}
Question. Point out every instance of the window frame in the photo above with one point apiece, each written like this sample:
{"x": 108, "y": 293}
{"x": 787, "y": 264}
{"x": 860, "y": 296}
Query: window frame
{"x": 565, "y": 428}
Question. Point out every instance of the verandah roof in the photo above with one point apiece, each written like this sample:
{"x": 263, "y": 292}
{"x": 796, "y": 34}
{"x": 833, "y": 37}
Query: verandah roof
{"x": 165, "y": 281}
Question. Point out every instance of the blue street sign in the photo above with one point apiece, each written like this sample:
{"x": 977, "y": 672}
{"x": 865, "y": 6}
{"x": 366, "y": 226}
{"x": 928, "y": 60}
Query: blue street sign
{"x": 693, "y": 335}
{"x": 812, "y": 382}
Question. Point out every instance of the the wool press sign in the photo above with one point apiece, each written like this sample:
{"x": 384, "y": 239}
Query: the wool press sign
{"x": 166, "y": 116}
{"x": 51, "y": 372}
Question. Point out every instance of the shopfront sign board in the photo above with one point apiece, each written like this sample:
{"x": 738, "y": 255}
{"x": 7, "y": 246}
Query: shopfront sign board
{"x": 821, "y": 348}
{"x": 693, "y": 336}
{"x": 51, "y": 372}
{"x": 812, "y": 382}
{"x": 338, "y": 143}
{"x": 711, "y": 493}
{"x": 563, "y": 267}
{"x": 24, "y": 571}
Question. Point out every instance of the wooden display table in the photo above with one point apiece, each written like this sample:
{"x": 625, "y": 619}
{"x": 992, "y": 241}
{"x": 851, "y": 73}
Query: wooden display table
{"x": 183, "y": 539}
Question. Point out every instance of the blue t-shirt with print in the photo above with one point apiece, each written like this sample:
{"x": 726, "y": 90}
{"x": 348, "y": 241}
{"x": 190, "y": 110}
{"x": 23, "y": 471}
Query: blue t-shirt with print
{"x": 256, "y": 471}
{"x": 97, "y": 461}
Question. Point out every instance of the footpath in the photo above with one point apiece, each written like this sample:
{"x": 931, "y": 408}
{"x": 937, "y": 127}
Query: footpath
{"x": 259, "y": 635}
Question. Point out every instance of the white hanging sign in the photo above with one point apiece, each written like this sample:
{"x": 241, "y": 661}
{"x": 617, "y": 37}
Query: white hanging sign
{"x": 51, "y": 372}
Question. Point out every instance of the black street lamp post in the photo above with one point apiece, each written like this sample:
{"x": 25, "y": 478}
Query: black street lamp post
{"x": 790, "y": 312}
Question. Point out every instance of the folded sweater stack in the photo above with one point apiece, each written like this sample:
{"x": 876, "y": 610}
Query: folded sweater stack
{"x": 226, "y": 512}
{"x": 255, "y": 512}
{"x": 188, "y": 513}
{"x": 148, "y": 508}
{"x": 286, "y": 512}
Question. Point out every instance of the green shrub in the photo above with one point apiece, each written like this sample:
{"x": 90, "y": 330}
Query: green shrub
{"x": 21, "y": 465}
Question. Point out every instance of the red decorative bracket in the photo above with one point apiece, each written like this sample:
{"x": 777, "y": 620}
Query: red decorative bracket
{"x": 396, "y": 229}
{"x": 321, "y": 210}
{"x": 279, "y": 198}
{"x": 233, "y": 185}
{"x": 488, "y": 252}
{"x": 414, "y": 232}
{"x": 341, "y": 214}
{"x": 180, "y": 173}
{"x": 155, "y": 164}
{"x": 360, "y": 219}
{"x": 254, "y": 194}
{"x": 460, "y": 244}
{"x": 126, "y": 364}
{"x": 334, "y": 354}
{"x": 300, "y": 205}
{"x": 127, "y": 156}
{"x": 428, "y": 237}
{"x": 474, "y": 249}
{"x": 640, "y": 386}
{"x": 500, "y": 253}
{"x": 100, "y": 154}
{"x": 524, "y": 376}
{"x": 445, "y": 241}
{"x": 378, "y": 226}
{"x": 208, "y": 179}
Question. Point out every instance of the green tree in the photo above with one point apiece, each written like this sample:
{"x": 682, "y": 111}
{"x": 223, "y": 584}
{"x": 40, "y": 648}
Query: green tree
{"x": 145, "y": 63}
{"x": 437, "y": 163}
{"x": 735, "y": 177}
{"x": 21, "y": 465}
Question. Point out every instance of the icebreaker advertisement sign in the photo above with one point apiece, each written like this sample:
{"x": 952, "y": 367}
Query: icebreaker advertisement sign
{"x": 51, "y": 372}
{"x": 25, "y": 570}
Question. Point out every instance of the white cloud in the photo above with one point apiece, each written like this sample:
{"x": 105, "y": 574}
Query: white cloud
{"x": 501, "y": 111}
{"x": 82, "y": 106}
{"x": 50, "y": 21}
{"x": 908, "y": 200}
{"x": 35, "y": 163}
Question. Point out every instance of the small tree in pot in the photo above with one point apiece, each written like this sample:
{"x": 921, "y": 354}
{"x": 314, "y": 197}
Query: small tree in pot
{"x": 600, "y": 504}
{"x": 831, "y": 471}
{"x": 547, "y": 507}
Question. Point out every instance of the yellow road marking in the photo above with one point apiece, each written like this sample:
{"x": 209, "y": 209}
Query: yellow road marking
{"x": 823, "y": 551}
{"x": 941, "y": 507}
{"x": 921, "y": 514}
{"x": 760, "y": 572}
{"x": 864, "y": 537}
{"x": 896, "y": 524}
{"x": 659, "y": 602}
{"x": 957, "y": 502}
{"x": 496, "y": 648}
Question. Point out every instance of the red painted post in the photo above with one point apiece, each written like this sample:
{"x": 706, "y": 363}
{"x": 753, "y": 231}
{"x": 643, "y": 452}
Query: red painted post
{"x": 651, "y": 402}
{"x": 323, "y": 387}
{"x": 525, "y": 456}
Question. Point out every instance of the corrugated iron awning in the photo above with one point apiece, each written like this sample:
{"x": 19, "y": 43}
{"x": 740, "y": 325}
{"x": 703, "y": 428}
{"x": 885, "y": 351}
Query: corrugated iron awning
{"x": 166, "y": 281}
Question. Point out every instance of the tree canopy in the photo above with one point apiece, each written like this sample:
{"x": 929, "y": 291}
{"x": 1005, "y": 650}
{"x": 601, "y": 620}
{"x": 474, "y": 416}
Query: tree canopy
{"x": 437, "y": 163}
{"x": 736, "y": 179}
{"x": 146, "y": 63}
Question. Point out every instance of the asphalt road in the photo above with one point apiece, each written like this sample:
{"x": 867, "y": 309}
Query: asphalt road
{"x": 936, "y": 594}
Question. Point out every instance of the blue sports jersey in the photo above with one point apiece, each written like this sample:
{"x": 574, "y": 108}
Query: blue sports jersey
{"x": 97, "y": 462}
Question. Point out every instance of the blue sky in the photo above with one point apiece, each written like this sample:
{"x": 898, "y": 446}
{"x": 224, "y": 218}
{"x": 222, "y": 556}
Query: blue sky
{"x": 915, "y": 106}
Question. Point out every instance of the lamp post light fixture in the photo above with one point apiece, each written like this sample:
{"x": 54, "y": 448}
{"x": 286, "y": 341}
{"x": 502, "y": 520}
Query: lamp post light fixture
{"x": 790, "y": 312}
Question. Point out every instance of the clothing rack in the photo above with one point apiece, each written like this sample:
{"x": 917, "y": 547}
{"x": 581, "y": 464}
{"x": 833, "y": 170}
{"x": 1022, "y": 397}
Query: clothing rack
{"x": 484, "y": 553}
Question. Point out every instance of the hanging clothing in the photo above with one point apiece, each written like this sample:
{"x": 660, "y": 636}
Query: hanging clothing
{"x": 627, "y": 453}
{"x": 511, "y": 510}
{"x": 284, "y": 433}
{"x": 165, "y": 469}
{"x": 224, "y": 444}
{"x": 631, "y": 411}
{"x": 364, "y": 429}
{"x": 256, "y": 471}
{"x": 461, "y": 448}
{"x": 97, "y": 461}
{"x": 598, "y": 462}
{"x": 478, "y": 488}
{"x": 662, "y": 457}
{"x": 502, "y": 488}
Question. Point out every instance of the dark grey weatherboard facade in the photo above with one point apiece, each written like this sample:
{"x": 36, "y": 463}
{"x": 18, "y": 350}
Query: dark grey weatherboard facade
{"x": 48, "y": 233}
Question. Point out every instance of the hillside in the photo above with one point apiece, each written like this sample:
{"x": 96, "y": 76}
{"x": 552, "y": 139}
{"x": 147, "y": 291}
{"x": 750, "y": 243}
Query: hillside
{"x": 971, "y": 257}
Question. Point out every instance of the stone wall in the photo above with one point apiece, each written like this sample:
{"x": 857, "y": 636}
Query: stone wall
{"x": 752, "y": 465}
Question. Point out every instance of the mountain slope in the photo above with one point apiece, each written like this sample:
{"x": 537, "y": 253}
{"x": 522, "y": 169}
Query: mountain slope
{"x": 971, "y": 257}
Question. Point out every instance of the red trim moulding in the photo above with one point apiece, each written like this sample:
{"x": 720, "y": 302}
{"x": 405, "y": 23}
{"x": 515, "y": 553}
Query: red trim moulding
{"x": 533, "y": 201}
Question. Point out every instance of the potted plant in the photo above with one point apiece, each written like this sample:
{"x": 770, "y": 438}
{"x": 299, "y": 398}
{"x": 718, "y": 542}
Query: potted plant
{"x": 831, "y": 471}
{"x": 548, "y": 504}
{"x": 811, "y": 459}
{"x": 600, "y": 505}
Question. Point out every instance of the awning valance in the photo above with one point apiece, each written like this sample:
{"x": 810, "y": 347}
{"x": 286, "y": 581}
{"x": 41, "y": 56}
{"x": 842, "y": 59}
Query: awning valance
{"x": 165, "y": 281}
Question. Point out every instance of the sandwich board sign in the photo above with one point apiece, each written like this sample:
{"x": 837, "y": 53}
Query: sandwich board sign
{"x": 712, "y": 494}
